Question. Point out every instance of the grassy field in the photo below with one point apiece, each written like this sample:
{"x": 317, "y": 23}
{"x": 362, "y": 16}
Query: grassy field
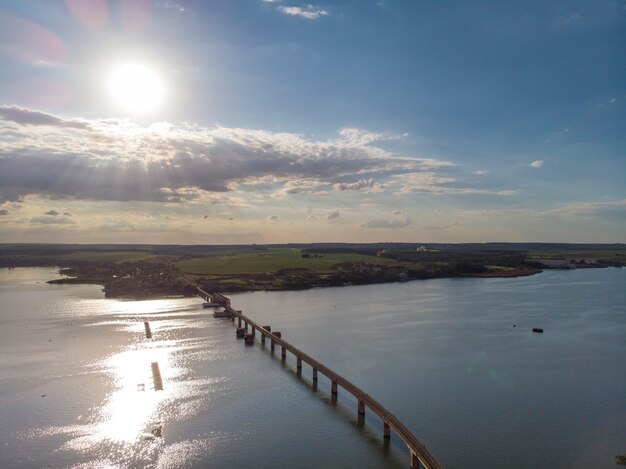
{"x": 601, "y": 255}
{"x": 94, "y": 256}
{"x": 270, "y": 260}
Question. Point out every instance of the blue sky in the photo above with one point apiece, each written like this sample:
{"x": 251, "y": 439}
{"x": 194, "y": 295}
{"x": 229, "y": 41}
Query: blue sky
{"x": 288, "y": 121}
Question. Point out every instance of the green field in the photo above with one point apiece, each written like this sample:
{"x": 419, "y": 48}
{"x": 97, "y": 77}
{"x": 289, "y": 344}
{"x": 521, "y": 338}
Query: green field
{"x": 270, "y": 261}
{"x": 601, "y": 255}
{"x": 102, "y": 256}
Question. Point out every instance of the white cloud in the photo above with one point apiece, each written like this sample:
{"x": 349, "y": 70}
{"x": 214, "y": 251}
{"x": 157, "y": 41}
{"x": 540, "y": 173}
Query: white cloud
{"x": 175, "y": 163}
{"x": 433, "y": 183}
{"x": 310, "y": 12}
{"x": 369, "y": 185}
{"x": 536, "y": 164}
{"x": 396, "y": 222}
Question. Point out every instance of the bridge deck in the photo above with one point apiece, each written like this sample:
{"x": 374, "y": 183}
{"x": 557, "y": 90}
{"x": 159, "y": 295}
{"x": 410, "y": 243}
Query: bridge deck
{"x": 414, "y": 444}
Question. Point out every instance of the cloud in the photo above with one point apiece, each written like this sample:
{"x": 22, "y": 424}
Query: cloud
{"x": 3, "y": 211}
{"x": 272, "y": 217}
{"x": 53, "y": 213}
{"x": 536, "y": 164}
{"x": 387, "y": 223}
{"x": 369, "y": 185}
{"x": 174, "y": 163}
{"x": 310, "y": 12}
{"x": 363, "y": 137}
{"x": 433, "y": 183}
{"x": 332, "y": 214}
{"x": 25, "y": 116}
{"x": 442, "y": 227}
{"x": 52, "y": 220}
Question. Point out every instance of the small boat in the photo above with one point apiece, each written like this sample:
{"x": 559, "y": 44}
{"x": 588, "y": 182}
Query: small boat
{"x": 539, "y": 330}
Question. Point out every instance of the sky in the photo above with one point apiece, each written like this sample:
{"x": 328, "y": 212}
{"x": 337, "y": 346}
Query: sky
{"x": 258, "y": 121}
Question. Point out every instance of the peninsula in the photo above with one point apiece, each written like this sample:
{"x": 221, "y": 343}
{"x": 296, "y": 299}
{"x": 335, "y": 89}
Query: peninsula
{"x": 140, "y": 271}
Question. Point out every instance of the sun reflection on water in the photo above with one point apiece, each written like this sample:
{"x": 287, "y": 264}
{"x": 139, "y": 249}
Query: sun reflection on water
{"x": 131, "y": 411}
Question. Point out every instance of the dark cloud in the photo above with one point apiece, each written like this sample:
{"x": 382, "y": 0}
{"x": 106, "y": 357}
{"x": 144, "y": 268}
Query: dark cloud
{"x": 53, "y": 213}
{"x": 25, "y": 116}
{"x": 52, "y": 221}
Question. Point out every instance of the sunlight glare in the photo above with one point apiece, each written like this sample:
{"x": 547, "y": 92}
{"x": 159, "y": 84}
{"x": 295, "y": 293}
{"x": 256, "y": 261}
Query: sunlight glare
{"x": 136, "y": 87}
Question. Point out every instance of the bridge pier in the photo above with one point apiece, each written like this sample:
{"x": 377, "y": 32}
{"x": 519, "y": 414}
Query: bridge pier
{"x": 283, "y": 353}
{"x": 415, "y": 462}
{"x": 361, "y": 407}
{"x": 239, "y": 322}
{"x": 268, "y": 329}
{"x": 386, "y": 431}
{"x": 299, "y": 364}
{"x": 333, "y": 388}
{"x": 273, "y": 345}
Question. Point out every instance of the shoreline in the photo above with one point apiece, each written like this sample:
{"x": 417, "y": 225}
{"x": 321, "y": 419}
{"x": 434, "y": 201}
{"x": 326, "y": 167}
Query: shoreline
{"x": 154, "y": 295}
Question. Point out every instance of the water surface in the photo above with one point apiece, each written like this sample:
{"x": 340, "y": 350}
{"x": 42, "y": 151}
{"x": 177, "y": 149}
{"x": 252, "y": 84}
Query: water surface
{"x": 76, "y": 386}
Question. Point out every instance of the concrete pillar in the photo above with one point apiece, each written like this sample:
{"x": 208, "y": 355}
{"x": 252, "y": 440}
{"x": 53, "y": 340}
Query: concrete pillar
{"x": 386, "y": 431}
{"x": 245, "y": 326}
{"x": 268, "y": 329}
{"x": 299, "y": 363}
{"x": 361, "y": 407}
{"x": 253, "y": 331}
{"x": 333, "y": 388}
{"x": 239, "y": 322}
{"x": 283, "y": 353}
{"x": 146, "y": 325}
{"x": 273, "y": 345}
{"x": 315, "y": 375}
{"x": 415, "y": 462}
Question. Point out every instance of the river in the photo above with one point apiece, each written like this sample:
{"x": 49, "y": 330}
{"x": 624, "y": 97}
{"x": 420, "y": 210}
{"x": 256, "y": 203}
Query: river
{"x": 455, "y": 359}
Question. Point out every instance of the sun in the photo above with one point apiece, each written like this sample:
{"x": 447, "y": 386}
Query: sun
{"x": 136, "y": 88}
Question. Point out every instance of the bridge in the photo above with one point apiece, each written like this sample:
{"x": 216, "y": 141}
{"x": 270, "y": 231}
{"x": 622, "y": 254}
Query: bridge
{"x": 420, "y": 456}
